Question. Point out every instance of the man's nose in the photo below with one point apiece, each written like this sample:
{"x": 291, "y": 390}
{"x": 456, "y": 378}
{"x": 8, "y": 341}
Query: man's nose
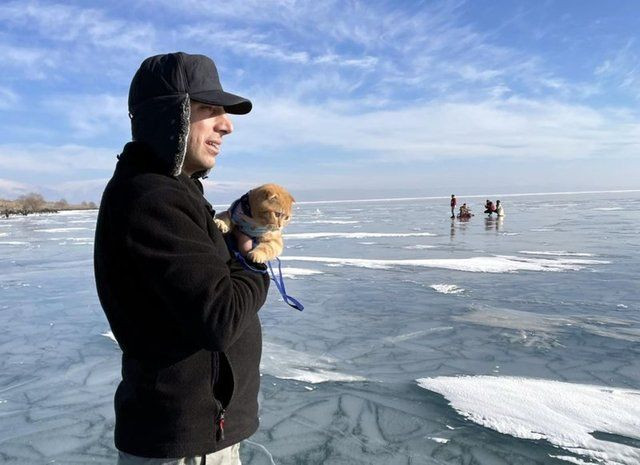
{"x": 224, "y": 125}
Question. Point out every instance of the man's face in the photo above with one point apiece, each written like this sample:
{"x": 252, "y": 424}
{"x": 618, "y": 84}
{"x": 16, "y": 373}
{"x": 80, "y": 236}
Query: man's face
{"x": 208, "y": 124}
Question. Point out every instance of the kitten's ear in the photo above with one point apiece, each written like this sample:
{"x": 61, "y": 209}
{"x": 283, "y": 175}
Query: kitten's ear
{"x": 268, "y": 193}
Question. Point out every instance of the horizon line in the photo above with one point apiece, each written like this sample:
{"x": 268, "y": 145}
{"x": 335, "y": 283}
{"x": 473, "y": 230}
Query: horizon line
{"x": 439, "y": 197}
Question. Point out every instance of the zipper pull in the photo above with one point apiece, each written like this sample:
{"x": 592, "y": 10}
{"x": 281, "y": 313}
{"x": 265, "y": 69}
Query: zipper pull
{"x": 220, "y": 425}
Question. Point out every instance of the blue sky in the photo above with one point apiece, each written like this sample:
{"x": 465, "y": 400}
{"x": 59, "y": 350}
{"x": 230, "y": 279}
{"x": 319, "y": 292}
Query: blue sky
{"x": 351, "y": 99}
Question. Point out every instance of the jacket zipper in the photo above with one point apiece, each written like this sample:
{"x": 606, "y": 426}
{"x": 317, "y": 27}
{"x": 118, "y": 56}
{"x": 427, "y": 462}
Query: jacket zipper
{"x": 220, "y": 424}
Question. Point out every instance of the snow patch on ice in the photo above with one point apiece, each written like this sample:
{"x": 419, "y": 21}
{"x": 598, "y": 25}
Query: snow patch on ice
{"x": 565, "y": 414}
{"x": 447, "y": 288}
{"x": 556, "y": 253}
{"x": 77, "y": 213}
{"x": 293, "y": 273}
{"x": 352, "y": 235}
{"x": 568, "y": 458}
{"x": 608, "y": 209}
{"x": 57, "y": 230}
{"x": 329, "y": 222}
{"x": 439, "y": 440}
{"x": 496, "y": 264}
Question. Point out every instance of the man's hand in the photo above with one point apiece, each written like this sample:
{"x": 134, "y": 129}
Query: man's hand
{"x": 245, "y": 243}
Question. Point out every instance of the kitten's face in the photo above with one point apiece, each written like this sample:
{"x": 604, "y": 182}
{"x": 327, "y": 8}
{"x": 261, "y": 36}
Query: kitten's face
{"x": 271, "y": 206}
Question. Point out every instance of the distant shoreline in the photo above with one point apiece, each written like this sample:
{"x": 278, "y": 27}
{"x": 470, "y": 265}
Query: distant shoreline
{"x": 486, "y": 196}
{"x": 34, "y": 203}
{"x": 7, "y": 212}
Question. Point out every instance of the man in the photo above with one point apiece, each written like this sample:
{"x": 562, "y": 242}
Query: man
{"x": 183, "y": 311}
{"x": 454, "y": 202}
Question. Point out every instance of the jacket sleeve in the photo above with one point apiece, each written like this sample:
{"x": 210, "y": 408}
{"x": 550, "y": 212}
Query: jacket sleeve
{"x": 176, "y": 259}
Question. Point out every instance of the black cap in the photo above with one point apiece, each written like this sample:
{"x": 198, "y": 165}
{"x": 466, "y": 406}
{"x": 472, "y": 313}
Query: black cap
{"x": 182, "y": 73}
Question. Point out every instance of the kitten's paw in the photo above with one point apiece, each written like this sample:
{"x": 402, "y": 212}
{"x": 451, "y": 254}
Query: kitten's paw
{"x": 222, "y": 226}
{"x": 259, "y": 256}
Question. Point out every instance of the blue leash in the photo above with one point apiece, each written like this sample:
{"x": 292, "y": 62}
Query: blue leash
{"x": 279, "y": 282}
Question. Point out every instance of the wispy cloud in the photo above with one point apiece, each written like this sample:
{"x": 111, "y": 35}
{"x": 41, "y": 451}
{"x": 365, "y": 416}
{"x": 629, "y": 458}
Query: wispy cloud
{"x": 8, "y": 98}
{"x": 514, "y": 128}
{"x": 65, "y": 161}
{"x": 31, "y": 63}
{"x": 252, "y": 42}
{"x": 623, "y": 69}
{"x": 82, "y": 26}
{"x": 89, "y": 116}
{"x": 10, "y": 189}
{"x": 220, "y": 191}
{"x": 76, "y": 191}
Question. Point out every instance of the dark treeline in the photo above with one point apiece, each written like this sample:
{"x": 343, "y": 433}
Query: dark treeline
{"x": 35, "y": 203}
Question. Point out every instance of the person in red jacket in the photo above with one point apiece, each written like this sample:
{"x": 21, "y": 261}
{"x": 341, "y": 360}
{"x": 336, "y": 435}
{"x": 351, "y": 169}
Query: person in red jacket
{"x": 489, "y": 207}
{"x": 454, "y": 202}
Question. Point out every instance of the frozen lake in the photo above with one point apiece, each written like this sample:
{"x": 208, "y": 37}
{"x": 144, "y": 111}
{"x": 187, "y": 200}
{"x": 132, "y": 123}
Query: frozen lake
{"x": 424, "y": 340}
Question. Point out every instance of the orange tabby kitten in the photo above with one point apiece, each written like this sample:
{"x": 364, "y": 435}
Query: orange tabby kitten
{"x": 261, "y": 214}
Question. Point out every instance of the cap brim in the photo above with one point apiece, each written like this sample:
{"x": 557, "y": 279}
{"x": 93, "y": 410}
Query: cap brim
{"x": 232, "y": 103}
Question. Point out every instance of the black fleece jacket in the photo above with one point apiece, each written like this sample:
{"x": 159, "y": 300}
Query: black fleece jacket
{"x": 183, "y": 311}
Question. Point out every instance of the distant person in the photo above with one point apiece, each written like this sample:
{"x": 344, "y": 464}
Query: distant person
{"x": 454, "y": 202}
{"x": 183, "y": 311}
{"x": 465, "y": 212}
{"x": 489, "y": 207}
{"x": 499, "y": 209}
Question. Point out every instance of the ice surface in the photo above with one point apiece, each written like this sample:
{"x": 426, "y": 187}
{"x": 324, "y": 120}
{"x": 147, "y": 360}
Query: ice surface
{"x": 338, "y": 380}
{"x": 550, "y": 323}
{"x": 565, "y": 414}
{"x": 286, "y": 363}
{"x": 329, "y": 222}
